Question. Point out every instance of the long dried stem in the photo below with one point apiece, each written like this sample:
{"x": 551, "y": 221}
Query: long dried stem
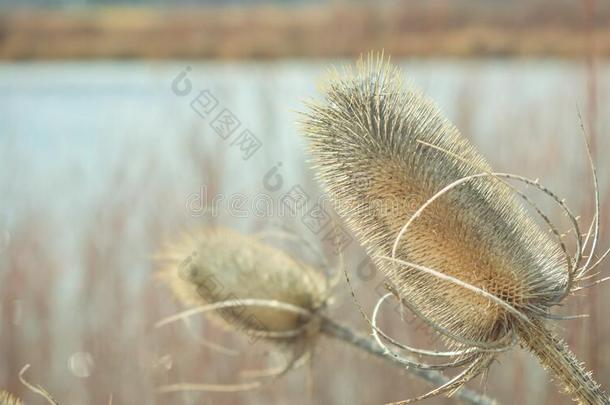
{"x": 557, "y": 358}
{"x": 343, "y": 333}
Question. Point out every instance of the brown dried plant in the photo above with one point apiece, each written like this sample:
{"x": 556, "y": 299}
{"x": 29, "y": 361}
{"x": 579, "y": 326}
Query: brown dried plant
{"x": 248, "y": 285}
{"x": 456, "y": 241}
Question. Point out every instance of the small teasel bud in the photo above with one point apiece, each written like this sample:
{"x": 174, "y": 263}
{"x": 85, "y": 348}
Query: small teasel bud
{"x": 219, "y": 266}
{"x": 250, "y": 287}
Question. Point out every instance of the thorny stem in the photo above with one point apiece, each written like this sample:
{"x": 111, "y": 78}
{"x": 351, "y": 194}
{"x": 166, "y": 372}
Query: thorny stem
{"x": 556, "y": 357}
{"x": 345, "y": 334}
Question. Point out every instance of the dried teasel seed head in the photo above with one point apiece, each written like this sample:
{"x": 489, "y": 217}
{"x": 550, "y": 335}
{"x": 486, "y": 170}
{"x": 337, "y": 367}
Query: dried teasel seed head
{"x": 220, "y": 265}
{"x": 472, "y": 261}
{"x": 366, "y": 142}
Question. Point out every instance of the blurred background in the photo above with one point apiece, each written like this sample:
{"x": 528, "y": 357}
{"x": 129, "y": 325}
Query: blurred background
{"x": 122, "y": 121}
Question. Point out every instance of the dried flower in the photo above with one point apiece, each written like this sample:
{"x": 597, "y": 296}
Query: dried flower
{"x": 454, "y": 240}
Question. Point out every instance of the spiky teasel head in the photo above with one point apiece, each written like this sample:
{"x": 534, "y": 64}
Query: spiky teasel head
{"x": 453, "y": 239}
{"x": 8, "y": 399}
{"x": 221, "y": 265}
{"x": 248, "y": 286}
{"x": 370, "y": 144}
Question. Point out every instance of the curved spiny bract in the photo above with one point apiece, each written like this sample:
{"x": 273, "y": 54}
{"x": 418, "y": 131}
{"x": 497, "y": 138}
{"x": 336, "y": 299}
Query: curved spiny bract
{"x": 370, "y": 141}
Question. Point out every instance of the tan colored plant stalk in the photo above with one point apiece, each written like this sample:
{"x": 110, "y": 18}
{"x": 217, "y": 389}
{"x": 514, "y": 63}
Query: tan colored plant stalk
{"x": 453, "y": 238}
{"x": 277, "y": 296}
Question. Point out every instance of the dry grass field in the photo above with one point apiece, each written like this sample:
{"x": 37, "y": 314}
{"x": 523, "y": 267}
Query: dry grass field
{"x": 414, "y": 28}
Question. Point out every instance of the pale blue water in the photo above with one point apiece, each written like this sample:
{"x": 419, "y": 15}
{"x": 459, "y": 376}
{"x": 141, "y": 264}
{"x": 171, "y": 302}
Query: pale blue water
{"x": 68, "y": 129}
{"x": 64, "y": 127}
